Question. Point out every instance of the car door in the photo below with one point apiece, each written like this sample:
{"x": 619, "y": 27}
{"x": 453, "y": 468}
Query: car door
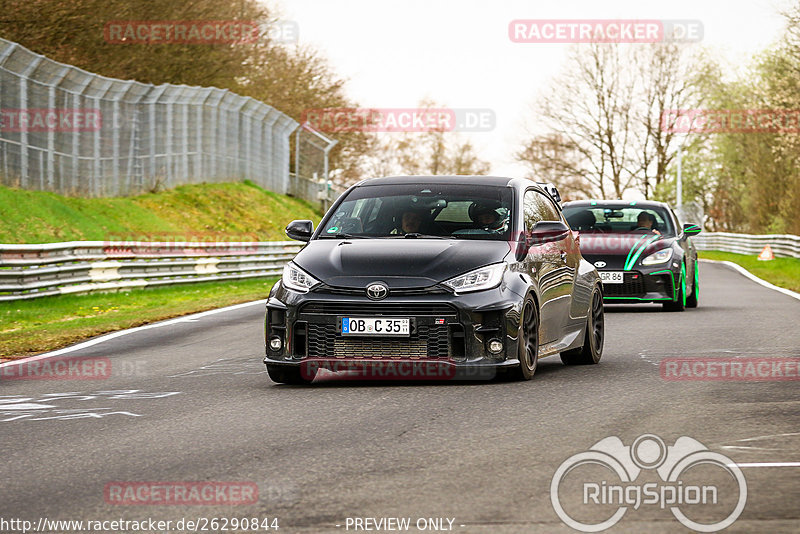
{"x": 549, "y": 263}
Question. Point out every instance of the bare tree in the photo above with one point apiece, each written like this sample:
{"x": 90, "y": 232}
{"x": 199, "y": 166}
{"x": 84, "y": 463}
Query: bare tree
{"x": 435, "y": 151}
{"x": 553, "y": 158}
{"x": 670, "y": 79}
{"x": 602, "y": 117}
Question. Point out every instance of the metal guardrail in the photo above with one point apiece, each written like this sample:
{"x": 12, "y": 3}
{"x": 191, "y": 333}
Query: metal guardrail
{"x": 33, "y": 271}
{"x": 781, "y": 244}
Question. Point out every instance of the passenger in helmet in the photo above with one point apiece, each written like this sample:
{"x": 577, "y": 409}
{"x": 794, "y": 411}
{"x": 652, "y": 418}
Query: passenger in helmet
{"x": 486, "y": 214}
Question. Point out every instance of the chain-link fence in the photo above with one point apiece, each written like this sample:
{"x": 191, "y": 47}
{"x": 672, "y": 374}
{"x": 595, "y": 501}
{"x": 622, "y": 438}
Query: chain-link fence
{"x": 72, "y": 132}
{"x": 311, "y": 178}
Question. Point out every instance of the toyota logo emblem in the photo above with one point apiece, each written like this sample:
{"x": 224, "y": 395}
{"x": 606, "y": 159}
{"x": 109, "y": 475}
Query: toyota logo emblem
{"x": 377, "y": 291}
{"x": 599, "y": 264}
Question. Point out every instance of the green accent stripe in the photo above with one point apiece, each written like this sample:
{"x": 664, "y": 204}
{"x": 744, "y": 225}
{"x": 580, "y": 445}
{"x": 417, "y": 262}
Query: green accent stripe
{"x": 683, "y": 282}
{"x": 696, "y": 288}
{"x": 630, "y": 252}
{"x": 664, "y": 271}
{"x": 639, "y": 253}
{"x": 634, "y": 298}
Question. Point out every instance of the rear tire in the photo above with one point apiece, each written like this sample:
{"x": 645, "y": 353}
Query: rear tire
{"x": 528, "y": 342}
{"x": 286, "y": 375}
{"x": 592, "y": 349}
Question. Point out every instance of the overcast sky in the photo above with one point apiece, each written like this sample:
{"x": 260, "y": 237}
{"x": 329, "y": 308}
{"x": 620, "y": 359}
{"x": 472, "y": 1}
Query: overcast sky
{"x": 457, "y": 52}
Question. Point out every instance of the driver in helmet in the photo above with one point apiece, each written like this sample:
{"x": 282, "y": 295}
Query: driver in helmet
{"x": 487, "y": 215}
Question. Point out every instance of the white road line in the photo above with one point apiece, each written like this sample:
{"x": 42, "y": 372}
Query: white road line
{"x": 754, "y": 278}
{"x": 183, "y": 319}
{"x": 767, "y": 464}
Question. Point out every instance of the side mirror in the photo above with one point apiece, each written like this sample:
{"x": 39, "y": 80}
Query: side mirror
{"x": 300, "y": 230}
{"x": 691, "y": 229}
{"x": 547, "y": 232}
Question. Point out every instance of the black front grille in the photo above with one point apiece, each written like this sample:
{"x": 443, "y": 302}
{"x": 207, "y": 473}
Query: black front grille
{"x": 630, "y": 286}
{"x": 425, "y": 342}
{"x": 361, "y": 292}
{"x": 376, "y": 308}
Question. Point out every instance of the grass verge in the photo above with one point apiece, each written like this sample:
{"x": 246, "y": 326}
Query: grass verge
{"x": 40, "y": 325}
{"x": 782, "y": 272}
{"x": 219, "y": 211}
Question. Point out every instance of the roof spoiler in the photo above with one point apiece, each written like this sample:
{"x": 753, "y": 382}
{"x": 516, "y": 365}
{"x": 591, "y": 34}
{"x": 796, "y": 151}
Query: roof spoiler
{"x": 551, "y": 190}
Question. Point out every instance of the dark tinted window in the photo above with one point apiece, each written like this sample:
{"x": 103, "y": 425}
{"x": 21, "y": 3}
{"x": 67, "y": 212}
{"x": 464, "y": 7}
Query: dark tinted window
{"x": 538, "y": 208}
{"x": 617, "y": 219}
{"x": 442, "y": 210}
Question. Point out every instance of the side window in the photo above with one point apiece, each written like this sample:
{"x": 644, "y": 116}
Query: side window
{"x": 537, "y": 208}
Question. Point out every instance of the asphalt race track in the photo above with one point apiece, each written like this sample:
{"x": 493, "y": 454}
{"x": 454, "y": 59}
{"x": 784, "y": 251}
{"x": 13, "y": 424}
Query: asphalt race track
{"x": 191, "y": 401}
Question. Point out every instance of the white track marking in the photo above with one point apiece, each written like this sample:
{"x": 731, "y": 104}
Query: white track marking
{"x": 754, "y": 278}
{"x": 184, "y": 319}
{"x": 766, "y": 464}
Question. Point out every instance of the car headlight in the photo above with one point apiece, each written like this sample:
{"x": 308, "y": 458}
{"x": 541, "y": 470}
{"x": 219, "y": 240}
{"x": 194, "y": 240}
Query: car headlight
{"x": 297, "y": 279}
{"x": 661, "y": 256}
{"x": 477, "y": 280}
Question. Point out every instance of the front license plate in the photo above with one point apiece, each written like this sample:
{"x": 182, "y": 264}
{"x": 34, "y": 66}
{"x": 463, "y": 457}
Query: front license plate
{"x": 375, "y": 326}
{"x": 611, "y": 277}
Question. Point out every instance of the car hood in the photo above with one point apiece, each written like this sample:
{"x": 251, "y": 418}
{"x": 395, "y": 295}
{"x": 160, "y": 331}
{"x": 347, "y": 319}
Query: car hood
{"x": 617, "y": 250}
{"x": 399, "y": 262}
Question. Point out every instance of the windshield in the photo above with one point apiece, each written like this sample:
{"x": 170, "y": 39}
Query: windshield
{"x": 619, "y": 219}
{"x": 452, "y": 211}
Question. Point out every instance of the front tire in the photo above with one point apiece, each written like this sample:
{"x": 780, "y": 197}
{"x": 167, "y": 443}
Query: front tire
{"x": 286, "y": 375}
{"x": 528, "y": 346}
{"x": 679, "y": 303}
{"x": 691, "y": 299}
{"x": 592, "y": 349}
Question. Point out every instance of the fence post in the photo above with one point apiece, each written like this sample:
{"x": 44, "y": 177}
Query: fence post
{"x": 23, "y": 104}
{"x": 76, "y": 138}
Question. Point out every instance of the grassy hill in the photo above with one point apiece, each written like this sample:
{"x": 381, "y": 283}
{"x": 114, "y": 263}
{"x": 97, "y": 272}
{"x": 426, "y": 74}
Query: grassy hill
{"x": 228, "y": 211}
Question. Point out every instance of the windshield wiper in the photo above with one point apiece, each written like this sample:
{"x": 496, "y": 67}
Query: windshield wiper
{"x": 344, "y": 236}
{"x": 414, "y": 235}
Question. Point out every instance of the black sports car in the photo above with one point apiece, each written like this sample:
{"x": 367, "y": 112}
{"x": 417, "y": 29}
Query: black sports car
{"x": 434, "y": 277}
{"x": 640, "y": 250}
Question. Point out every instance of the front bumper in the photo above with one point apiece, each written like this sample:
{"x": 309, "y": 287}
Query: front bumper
{"x": 653, "y": 285}
{"x": 452, "y": 331}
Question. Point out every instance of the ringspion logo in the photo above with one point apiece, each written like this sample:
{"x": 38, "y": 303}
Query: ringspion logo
{"x": 611, "y": 479}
